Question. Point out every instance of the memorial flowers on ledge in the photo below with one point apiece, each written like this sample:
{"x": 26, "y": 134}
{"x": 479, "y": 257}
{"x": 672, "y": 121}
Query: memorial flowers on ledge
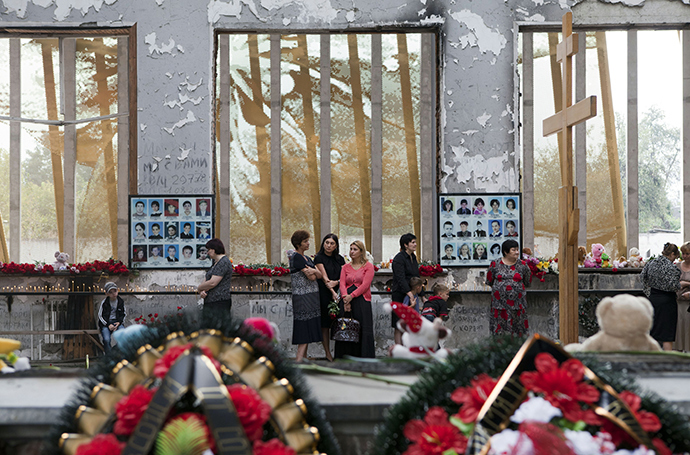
{"x": 430, "y": 269}
{"x": 109, "y": 267}
{"x": 260, "y": 270}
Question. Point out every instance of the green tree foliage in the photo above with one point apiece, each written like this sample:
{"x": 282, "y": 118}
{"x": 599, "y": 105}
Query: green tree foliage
{"x": 659, "y": 158}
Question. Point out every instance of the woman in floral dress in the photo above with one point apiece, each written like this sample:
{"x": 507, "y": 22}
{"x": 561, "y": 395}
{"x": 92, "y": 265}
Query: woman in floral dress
{"x": 508, "y": 278}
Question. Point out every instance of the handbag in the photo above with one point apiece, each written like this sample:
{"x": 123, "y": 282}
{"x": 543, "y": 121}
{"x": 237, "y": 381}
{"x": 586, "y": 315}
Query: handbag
{"x": 345, "y": 329}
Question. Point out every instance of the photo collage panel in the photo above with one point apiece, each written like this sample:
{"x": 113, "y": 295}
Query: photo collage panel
{"x": 473, "y": 227}
{"x": 170, "y": 232}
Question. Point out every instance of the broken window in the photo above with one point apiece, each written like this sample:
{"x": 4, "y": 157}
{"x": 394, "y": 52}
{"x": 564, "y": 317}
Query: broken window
{"x": 348, "y": 121}
{"x": 629, "y": 153}
{"x": 65, "y": 127}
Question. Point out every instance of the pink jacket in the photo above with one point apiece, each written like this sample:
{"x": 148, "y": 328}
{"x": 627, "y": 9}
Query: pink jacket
{"x": 361, "y": 278}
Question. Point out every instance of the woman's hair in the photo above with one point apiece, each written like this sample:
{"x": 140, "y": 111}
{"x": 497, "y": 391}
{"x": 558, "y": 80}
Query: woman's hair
{"x": 415, "y": 281}
{"x": 479, "y": 201}
{"x": 405, "y": 240}
{"x": 465, "y": 245}
{"x": 362, "y": 249}
{"x": 510, "y": 223}
{"x": 216, "y": 245}
{"x": 511, "y": 202}
{"x": 335, "y": 239}
{"x": 143, "y": 226}
{"x": 496, "y": 201}
{"x": 438, "y": 288}
{"x": 495, "y": 248}
{"x": 448, "y": 202}
{"x": 685, "y": 248}
{"x": 298, "y": 237}
{"x": 508, "y": 245}
{"x": 669, "y": 248}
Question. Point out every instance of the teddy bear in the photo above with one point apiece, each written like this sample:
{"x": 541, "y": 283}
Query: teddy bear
{"x": 597, "y": 250}
{"x": 635, "y": 259}
{"x": 581, "y": 255}
{"x": 420, "y": 336}
{"x": 624, "y": 322}
{"x": 61, "y": 261}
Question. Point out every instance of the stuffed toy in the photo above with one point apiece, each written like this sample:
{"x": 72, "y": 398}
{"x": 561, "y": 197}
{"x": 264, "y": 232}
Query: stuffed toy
{"x": 61, "y": 261}
{"x": 597, "y": 250}
{"x": 635, "y": 258}
{"x": 624, "y": 322}
{"x": 581, "y": 254}
{"x": 527, "y": 252}
{"x": 589, "y": 262}
{"x": 420, "y": 336}
{"x": 605, "y": 261}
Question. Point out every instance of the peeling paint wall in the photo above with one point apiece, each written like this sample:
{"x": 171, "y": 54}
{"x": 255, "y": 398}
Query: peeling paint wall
{"x": 175, "y": 61}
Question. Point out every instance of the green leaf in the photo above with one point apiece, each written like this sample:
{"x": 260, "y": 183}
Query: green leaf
{"x": 466, "y": 428}
{"x": 575, "y": 426}
{"x": 450, "y": 452}
{"x": 181, "y": 437}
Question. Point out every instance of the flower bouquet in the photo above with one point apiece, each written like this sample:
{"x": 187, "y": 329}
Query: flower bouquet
{"x": 430, "y": 269}
{"x": 194, "y": 390}
{"x": 545, "y": 402}
{"x": 333, "y": 309}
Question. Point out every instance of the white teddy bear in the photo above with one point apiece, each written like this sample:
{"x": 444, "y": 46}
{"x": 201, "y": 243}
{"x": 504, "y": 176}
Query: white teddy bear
{"x": 624, "y": 321}
{"x": 420, "y": 336}
{"x": 61, "y": 261}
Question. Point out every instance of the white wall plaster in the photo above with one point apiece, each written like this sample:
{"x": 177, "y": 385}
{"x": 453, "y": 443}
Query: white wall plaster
{"x": 16, "y": 6}
{"x": 482, "y": 119}
{"x": 142, "y": 127}
{"x": 626, "y": 2}
{"x": 483, "y": 169}
{"x": 180, "y": 48}
{"x": 433, "y": 20}
{"x": 470, "y": 132}
{"x": 181, "y": 99}
{"x": 185, "y": 153}
{"x": 350, "y": 16}
{"x": 190, "y": 86}
{"x": 538, "y": 2}
{"x": 190, "y": 118}
{"x": 167, "y": 48}
{"x": 63, "y": 7}
{"x": 319, "y": 10}
{"x": 481, "y": 35}
{"x": 217, "y": 9}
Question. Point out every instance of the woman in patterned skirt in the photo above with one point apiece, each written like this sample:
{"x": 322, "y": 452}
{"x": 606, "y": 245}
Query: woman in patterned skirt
{"x": 661, "y": 280}
{"x": 508, "y": 278}
{"x": 306, "y": 310}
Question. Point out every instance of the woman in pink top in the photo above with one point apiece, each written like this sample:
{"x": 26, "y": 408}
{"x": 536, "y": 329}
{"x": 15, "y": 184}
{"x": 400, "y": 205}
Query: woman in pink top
{"x": 355, "y": 287}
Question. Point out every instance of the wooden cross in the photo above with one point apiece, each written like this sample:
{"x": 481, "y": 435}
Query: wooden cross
{"x": 568, "y": 213}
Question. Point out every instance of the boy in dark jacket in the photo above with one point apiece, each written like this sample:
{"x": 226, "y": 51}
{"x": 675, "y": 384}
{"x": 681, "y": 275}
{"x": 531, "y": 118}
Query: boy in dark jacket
{"x": 111, "y": 315}
{"x": 436, "y": 306}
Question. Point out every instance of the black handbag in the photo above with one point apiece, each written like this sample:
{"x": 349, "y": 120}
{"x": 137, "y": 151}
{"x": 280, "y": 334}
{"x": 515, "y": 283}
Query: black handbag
{"x": 345, "y": 329}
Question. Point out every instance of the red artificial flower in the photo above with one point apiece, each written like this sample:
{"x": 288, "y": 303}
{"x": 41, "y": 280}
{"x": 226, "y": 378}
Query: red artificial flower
{"x": 272, "y": 447}
{"x": 472, "y": 398}
{"x": 648, "y": 420}
{"x": 562, "y": 386}
{"x": 252, "y": 411}
{"x": 162, "y": 365}
{"x": 434, "y": 435}
{"x": 661, "y": 447}
{"x": 130, "y": 409}
{"x": 102, "y": 444}
{"x": 546, "y": 438}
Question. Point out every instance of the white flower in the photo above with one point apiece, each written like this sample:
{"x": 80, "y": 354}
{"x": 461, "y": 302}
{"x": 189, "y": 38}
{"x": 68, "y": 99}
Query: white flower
{"x": 583, "y": 443}
{"x": 505, "y": 443}
{"x": 536, "y": 409}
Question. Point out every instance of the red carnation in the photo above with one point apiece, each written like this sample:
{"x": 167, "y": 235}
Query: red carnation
{"x": 102, "y": 444}
{"x": 472, "y": 398}
{"x": 648, "y": 420}
{"x": 272, "y": 447}
{"x": 251, "y": 409}
{"x": 130, "y": 409}
{"x": 162, "y": 365}
{"x": 434, "y": 435}
{"x": 562, "y": 386}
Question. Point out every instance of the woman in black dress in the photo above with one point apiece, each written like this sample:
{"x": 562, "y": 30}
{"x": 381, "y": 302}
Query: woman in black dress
{"x": 661, "y": 280}
{"x": 405, "y": 266}
{"x": 329, "y": 262}
{"x": 306, "y": 311}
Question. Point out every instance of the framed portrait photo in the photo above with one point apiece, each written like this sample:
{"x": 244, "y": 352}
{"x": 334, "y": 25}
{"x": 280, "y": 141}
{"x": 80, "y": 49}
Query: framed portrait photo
{"x": 170, "y": 231}
{"x": 472, "y": 227}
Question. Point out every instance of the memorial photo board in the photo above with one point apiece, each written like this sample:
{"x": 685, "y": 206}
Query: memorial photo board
{"x": 170, "y": 231}
{"x": 473, "y": 226}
